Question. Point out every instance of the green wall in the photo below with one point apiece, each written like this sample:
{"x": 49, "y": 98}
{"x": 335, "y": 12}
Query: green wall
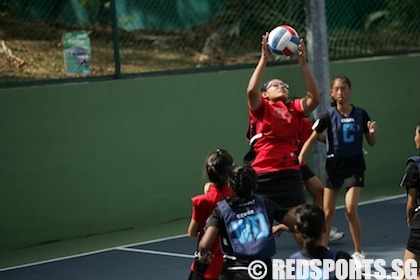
{"x": 91, "y": 158}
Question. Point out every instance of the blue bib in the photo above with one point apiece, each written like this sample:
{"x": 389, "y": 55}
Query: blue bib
{"x": 249, "y": 229}
{"x": 416, "y": 159}
{"x": 347, "y": 132}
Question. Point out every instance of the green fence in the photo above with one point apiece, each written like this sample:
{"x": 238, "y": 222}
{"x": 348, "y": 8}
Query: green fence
{"x": 151, "y": 36}
{"x": 84, "y": 159}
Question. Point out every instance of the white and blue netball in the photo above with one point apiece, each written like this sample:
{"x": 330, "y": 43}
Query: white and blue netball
{"x": 283, "y": 40}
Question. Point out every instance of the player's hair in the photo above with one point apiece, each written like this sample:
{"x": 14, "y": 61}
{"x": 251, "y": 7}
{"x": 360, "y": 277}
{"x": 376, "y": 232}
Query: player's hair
{"x": 418, "y": 127}
{"x": 310, "y": 221}
{"x": 243, "y": 183}
{"x": 218, "y": 167}
{"x": 339, "y": 77}
{"x": 264, "y": 86}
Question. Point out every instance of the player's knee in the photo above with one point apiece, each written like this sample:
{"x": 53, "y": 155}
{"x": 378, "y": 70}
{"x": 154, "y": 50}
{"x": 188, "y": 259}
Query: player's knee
{"x": 351, "y": 213}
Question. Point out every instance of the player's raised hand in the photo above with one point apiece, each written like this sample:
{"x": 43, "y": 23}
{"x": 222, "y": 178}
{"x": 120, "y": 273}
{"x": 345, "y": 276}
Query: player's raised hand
{"x": 265, "y": 51}
{"x": 371, "y": 126}
{"x": 301, "y": 53}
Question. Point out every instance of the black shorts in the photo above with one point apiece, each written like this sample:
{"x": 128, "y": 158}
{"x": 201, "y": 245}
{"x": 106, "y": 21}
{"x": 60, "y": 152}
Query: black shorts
{"x": 413, "y": 244}
{"x": 306, "y": 172}
{"x": 283, "y": 187}
{"x": 345, "y": 172}
{"x": 338, "y": 182}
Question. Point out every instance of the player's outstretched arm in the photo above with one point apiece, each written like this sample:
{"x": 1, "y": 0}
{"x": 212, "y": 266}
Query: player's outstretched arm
{"x": 312, "y": 98}
{"x": 253, "y": 90}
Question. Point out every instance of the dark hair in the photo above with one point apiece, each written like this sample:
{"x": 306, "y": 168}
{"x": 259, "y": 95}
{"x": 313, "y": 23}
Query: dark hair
{"x": 243, "y": 182}
{"x": 264, "y": 86}
{"x": 333, "y": 103}
{"x": 418, "y": 127}
{"x": 339, "y": 77}
{"x": 310, "y": 221}
{"x": 218, "y": 167}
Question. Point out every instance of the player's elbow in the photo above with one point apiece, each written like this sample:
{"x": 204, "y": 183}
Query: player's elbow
{"x": 192, "y": 234}
{"x": 315, "y": 101}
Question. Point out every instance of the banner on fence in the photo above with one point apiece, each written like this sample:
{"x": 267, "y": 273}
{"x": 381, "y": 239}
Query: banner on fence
{"x": 76, "y": 52}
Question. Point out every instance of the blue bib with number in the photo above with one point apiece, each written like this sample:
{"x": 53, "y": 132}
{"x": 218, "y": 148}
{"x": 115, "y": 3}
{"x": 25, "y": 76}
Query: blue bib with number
{"x": 249, "y": 229}
{"x": 347, "y": 132}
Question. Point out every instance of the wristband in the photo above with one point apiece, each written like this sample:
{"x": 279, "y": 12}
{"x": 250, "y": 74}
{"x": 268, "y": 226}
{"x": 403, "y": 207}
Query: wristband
{"x": 197, "y": 254}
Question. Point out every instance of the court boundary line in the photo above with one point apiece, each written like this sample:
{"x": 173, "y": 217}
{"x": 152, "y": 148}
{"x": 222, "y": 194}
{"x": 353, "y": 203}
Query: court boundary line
{"x": 155, "y": 241}
{"x": 153, "y": 252}
{"x": 398, "y": 196}
{"x": 90, "y": 253}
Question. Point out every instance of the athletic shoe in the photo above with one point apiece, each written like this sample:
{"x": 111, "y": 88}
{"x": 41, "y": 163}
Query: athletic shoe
{"x": 335, "y": 235}
{"x": 358, "y": 258}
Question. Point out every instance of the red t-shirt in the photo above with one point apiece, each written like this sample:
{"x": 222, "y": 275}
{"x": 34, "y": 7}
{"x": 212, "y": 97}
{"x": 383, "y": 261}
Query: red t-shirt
{"x": 279, "y": 124}
{"x": 203, "y": 206}
{"x": 305, "y": 132}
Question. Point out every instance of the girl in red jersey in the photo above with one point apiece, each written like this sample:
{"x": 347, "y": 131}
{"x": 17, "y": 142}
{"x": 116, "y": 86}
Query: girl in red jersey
{"x": 274, "y": 131}
{"x": 218, "y": 167}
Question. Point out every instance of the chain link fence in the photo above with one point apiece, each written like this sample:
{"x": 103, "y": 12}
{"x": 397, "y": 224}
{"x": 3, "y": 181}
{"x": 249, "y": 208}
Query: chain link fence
{"x": 43, "y": 40}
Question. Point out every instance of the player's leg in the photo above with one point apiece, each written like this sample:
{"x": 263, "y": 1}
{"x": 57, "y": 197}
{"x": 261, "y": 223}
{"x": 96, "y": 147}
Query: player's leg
{"x": 408, "y": 255}
{"x": 412, "y": 250}
{"x": 314, "y": 186}
{"x": 316, "y": 189}
{"x": 330, "y": 198}
{"x": 352, "y": 215}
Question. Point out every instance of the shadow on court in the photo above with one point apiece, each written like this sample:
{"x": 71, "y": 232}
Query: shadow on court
{"x": 384, "y": 237}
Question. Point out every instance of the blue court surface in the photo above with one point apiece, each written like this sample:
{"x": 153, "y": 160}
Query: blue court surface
{"x": 384, "y": 237}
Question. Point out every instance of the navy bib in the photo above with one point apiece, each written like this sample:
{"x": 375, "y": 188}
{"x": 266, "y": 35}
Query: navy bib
{"x": 249, "y": 229}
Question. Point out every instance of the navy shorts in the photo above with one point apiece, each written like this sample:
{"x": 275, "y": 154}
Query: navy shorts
{"x": 345, "y": 172}
{"x": 338, "y": 182}
{"x": 284, "y": 187}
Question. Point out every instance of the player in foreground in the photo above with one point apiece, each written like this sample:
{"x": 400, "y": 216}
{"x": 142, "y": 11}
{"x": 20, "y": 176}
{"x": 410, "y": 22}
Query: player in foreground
{"x": 244, "y": 223}
{"x": 310, "y": 226}
{"x": 219, "y": 164}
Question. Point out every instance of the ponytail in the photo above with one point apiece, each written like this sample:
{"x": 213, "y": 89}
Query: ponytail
{"x": 310, "y": 221}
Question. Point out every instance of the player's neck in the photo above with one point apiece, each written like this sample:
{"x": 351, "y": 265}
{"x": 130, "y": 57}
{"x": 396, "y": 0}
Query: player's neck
{"x": 344, "y": 109}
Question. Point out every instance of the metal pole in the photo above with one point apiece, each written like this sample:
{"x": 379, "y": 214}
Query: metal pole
{"x": 114, "y": 24}
{"x": 317, "y": 47}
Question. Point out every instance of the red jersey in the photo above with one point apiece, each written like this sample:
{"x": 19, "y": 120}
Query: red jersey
{"x": 203, "y": 206}
{"x": 305, "y": 132}
{"x": 276, "y": 127}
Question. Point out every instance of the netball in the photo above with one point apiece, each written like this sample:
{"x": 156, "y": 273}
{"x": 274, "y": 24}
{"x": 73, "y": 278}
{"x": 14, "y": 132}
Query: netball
{"x": 283, "y": 40}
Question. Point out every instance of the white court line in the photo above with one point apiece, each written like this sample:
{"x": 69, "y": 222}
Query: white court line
{"x": 154, "y": 241}
{"x": 90, "y": 253}
{"x": 377, "y": 200}
{"x": 155, "y": 252}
